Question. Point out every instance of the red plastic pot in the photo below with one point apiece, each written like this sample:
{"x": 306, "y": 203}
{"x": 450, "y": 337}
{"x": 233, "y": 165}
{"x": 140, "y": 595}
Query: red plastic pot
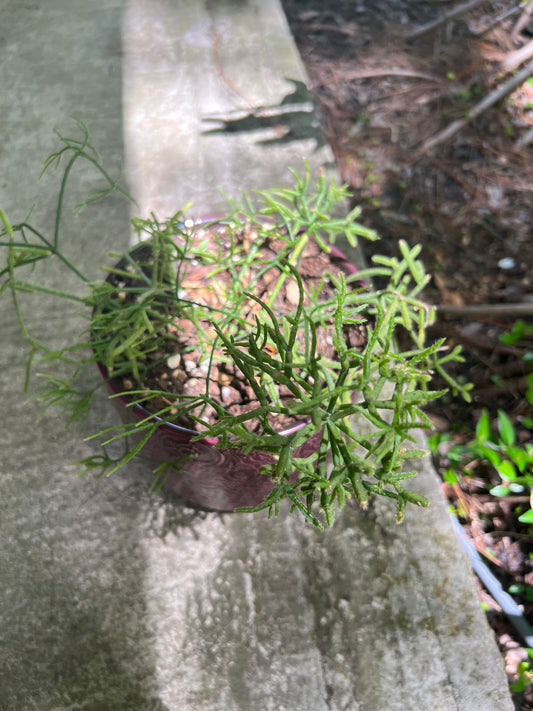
{"x": 204, "y": 475}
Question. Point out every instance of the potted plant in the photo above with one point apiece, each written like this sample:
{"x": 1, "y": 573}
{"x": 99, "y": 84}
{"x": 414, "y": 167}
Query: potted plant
{"x": 239, "y": 349}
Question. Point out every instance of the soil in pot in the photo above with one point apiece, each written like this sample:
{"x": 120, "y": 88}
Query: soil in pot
{"x": 183, "y": 367}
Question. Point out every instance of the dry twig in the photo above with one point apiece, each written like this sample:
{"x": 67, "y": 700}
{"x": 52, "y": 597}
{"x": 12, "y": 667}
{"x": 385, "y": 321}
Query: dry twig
{"x": 348, "y": 31}
{"x": 494, "y": 22}
{"x": 371, "y": 73}
{"x": 499, "y": 93}
{"x": 443, "y": 19}
{"x": 515, "y": 59}
{"x": 523, "y": 20}
{"x": 487, "y": 310}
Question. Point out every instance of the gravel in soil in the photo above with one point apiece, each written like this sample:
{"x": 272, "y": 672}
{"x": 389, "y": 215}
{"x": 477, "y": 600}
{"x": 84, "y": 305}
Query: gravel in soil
{"x": 184, "y": 369}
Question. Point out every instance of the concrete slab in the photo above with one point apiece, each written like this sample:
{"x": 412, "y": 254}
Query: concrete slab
{"x": 214, "y": 98}
{"x": 116, "y": 601}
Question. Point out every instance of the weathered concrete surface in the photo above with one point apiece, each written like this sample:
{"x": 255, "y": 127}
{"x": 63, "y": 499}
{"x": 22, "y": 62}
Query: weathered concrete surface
{"x": 192, "y": 70}
{"x": 115, "y": 601}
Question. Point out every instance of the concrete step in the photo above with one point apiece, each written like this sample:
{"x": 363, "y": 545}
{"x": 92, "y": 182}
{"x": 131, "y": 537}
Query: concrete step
{"x": 116, "y": 601}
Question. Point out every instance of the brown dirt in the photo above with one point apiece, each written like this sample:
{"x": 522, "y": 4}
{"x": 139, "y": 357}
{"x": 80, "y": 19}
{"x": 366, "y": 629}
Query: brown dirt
{"x": 468, "y": 203}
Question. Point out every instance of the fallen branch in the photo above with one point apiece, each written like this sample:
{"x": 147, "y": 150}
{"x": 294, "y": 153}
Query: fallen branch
{"x": 487, "y": 310}
{"x": 496, "y": 21}
{"x": 348, "y": 31}
{"x": 499, "y": 93}
{"x": 516, "y": 58}
{"x": 371, "y": 73}
{"x": 523, "y": 20}
{"x": 443, "y": 19}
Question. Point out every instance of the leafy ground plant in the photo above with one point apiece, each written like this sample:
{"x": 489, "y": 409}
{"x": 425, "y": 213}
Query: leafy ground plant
{"x": 154, "y": 307}
{"x": 511, "y": 462}
{"x": 497, "y": 443}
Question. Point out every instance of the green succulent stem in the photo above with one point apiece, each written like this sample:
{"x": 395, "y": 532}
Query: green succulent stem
{"x": 132, "y": 315}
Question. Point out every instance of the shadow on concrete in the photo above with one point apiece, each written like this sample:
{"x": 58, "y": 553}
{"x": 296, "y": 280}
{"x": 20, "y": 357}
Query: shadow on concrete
{"x": 293, "y": 119}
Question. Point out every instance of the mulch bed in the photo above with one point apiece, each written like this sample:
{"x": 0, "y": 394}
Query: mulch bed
{"x": 468, "y": 202}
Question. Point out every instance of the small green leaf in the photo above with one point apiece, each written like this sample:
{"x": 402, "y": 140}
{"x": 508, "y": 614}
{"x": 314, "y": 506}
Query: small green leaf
{"x": 526, "y": 517}
{"x": 500, "y": 490}
{"x": 491, "y": 455}
{"x": 456, "y": 453}
{"x": 516, "y": 589}
{"x": 514, "y": 335}
{"x": 519, "y": 457}
{"x": 506, "y": 470}
{"x": 506, "y": 428}
{"x": 435, "y": 440}
{"x": 483, "y": 427}
{"x": 450, "y": 476}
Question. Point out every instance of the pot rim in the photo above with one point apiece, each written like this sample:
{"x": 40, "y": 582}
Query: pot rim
{"x": 145, "y": 414}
